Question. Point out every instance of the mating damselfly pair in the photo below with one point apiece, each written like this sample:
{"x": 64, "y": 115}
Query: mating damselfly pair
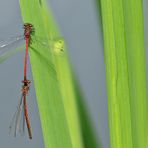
{"x": 21, "y": 116}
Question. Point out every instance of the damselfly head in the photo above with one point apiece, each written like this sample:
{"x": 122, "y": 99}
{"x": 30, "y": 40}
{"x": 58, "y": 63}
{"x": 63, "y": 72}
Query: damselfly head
{"x": 28, "y": 28}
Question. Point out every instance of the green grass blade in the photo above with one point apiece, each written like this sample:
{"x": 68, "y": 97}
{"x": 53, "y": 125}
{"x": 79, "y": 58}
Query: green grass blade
{"x": 134, "y": 33}
{"x": 51, "y": 73}
{"x": 125, "y": 71}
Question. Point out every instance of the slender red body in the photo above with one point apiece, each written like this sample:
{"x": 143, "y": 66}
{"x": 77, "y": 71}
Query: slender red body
{"x": 26, "y": 83}
{"x": 27, "y": 31}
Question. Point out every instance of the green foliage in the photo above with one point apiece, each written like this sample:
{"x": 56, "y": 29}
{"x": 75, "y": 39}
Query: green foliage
{"x": 126, "y": 72}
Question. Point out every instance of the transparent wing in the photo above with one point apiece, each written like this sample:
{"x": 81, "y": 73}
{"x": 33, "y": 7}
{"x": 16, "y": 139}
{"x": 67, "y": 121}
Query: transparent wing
{"x": 45, "y": 42}
{"x": 10, "y": 53}
{"x": 18, "y": 122}
{"x": 10, "y": 47}
{"x": 10, "y": 41}
{"x": 22, "y": 123}
{"x": 50, "y": 65}
{"x": 56, "y": 45}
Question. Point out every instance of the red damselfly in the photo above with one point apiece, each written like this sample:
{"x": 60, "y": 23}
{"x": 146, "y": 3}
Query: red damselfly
{"x": 57, "y": 45}
{"x": 22, "y": 107}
